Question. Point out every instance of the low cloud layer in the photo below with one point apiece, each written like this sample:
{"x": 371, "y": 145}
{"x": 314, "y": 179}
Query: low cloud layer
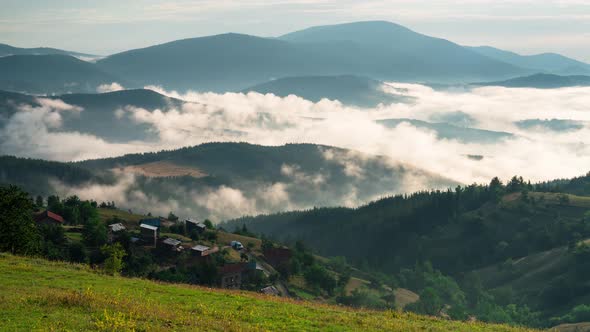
{"x": 534, "y": 153}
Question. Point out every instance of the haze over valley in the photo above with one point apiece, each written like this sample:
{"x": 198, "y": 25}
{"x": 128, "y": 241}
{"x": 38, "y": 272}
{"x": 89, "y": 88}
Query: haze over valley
{"x": 359, "y": 162}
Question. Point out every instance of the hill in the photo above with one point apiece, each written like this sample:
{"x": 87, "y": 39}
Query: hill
{"x": 73, "y": 297}
{"x": 245, "y": 178}
{"x": 233, "y": 62}
{"x": 522, "y": 241}
{"x": 50, "y": 74}
{"x": 6, "y": 50}
{"x": 99, "y": 116}
{"x": 542, "y": 81}
{"x": 546, "y": 62}
{"x": 349, "y": 90}
{"x": 452, "y": 132}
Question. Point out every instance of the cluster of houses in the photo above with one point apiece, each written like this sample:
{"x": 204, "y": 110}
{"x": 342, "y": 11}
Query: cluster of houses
{"x": 232, "y": 275}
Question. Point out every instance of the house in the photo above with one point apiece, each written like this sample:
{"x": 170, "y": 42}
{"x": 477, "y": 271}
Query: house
{"x": 49, "y": 218}
{"x": 270, "y": 290}
{"x": 277, "y": 256}
{"x": 149, "y": 234}
{"x": 156, "y": 222}
{"x": 172, "y": 244}
{"x": 114, "y": 231}
{"x": 202, "y": 251}
{"x": 232, "y": 275}
{"x": 193, "y": 225}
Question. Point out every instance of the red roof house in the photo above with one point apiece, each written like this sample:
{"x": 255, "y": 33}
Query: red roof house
{"x": 49, "y": 218}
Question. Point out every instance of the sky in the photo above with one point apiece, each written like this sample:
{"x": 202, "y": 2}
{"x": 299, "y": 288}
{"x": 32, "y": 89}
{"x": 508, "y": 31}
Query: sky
{"x": 109, "y": 26}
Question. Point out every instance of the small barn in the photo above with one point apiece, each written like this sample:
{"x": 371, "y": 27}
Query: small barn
{"x": 49, "y": 218}
{"x": 149, "y": 234}
{"x": 194, "y": 225}
{"x": 202, "y": 251}
{"x": 114, "y": 231}
{"x": 277, "y": 256}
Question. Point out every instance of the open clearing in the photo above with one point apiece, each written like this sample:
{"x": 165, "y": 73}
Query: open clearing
{"x": 162, "y": 169}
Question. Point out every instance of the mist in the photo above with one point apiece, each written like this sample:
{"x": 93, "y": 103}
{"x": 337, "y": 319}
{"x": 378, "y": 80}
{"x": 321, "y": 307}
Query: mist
{"x": 535, "y": 153}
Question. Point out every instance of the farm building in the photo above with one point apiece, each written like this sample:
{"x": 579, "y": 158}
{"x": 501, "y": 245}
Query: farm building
{"x": 49, "y": 218}
{"x": 172, "y": 244}
{"x": 232, "y": 274}
{"x": 277, "y": 256}
{"x": 193, "y": 225}
{"x": 156, "y": 222}
{"x": 202, "y": 251}
{"x": 149, "y": 234}
{"x": 114, "y": 231}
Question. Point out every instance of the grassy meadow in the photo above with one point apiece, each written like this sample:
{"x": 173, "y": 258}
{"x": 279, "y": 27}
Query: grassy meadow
{"x": 36, "y": 294}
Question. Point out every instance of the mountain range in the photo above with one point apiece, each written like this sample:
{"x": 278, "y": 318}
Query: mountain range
{"x": 381, "y": 51}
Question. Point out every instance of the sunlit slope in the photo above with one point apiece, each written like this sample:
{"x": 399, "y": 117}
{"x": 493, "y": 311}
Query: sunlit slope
{"x": 37, "y": 294}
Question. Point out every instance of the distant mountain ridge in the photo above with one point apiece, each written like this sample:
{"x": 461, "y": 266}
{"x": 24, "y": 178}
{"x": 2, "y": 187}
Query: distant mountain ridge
{"x": 348, "y": 89}
{"x": 235, "y": 61}
{"x": 542, "y": 81}
{"x": 6, "y": 50}
{"x": 379, "y": 50}
{"x": 550, "y": 63}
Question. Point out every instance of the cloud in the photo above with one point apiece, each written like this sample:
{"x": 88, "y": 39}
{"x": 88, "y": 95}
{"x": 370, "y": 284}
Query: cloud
{"x": 103, "y": 88}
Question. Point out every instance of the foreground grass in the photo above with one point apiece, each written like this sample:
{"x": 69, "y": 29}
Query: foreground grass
{"x": 36, "y": 294}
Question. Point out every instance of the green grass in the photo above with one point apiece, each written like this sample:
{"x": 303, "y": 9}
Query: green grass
{"x": 36, "y": 294}
{"x": 129, "y": 220}
{"x": 76, "y": 237}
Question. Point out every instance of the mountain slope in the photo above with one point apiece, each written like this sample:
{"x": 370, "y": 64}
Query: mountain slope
{"x": 50, "y": 74}
{"x": 234, "y": 61}
{"x": 542, "y": 81}
{"x": 349, "y": 90}
{"x": 218, "y": 63}
{"x": 245, "y": 179}
{"x": 410, "y": 53}
{"x": 65, "y": 296}
{"x": 546, "y": 62}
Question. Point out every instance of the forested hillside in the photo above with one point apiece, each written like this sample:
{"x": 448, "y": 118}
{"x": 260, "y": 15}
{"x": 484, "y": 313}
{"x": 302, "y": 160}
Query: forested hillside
{"x": 457, "y": 231}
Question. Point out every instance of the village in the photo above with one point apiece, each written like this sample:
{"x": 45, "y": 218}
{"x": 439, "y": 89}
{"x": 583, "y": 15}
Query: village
{"x": 242, "y": 263}
{"x": 195, "y": 251}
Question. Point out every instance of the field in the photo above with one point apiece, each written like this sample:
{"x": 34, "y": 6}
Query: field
{"x": 162, "y": 169}
{"x": 40, "y": 295}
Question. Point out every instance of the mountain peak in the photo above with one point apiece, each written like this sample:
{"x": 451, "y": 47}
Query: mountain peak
{"x": 356, "y": 31}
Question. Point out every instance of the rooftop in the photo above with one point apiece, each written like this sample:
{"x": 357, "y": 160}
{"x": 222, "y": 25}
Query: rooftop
{"x": 50, "y": 215}
{"x": 200, "y": 247}
{"x": 171, "y": 241}
{"x": 150, "y": 227}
